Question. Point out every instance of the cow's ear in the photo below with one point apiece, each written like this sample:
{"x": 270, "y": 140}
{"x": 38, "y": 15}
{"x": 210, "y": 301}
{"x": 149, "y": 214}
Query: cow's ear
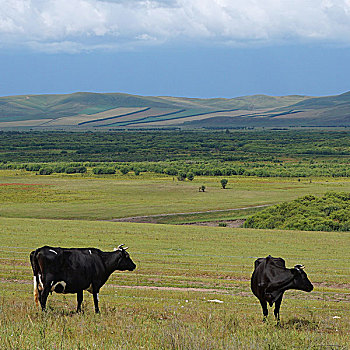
{"x": 120, "y": 248}
{"x": 297, "y": 270}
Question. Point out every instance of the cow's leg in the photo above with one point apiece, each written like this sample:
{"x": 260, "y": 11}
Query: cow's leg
{"x": 40, "y": 292}
{"x": 38, "y": 288}
{"x": 79, "y": 300}
{"x": 95, "y": 295}
{"x": 265, "y": 310}
{"x": 47, "y": 281}
{"x": 43, "y": 297}
{"x": 277, "y": 308}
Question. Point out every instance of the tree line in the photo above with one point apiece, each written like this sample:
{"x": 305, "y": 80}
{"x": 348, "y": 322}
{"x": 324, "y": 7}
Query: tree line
{"x": 188, "y": 170}
{"x": 185, "y": 154}
{"x": 138, "y": 146}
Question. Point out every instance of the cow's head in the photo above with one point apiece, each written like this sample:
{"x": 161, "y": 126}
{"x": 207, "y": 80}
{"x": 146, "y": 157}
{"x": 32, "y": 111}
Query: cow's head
{"x": 301, "y": 280}
{"x": 123, "y": 260}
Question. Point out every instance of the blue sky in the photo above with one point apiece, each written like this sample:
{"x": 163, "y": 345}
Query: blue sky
{"x": 191, "y": 48}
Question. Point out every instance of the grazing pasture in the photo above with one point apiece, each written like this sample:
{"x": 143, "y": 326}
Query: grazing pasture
{"x": 190, "y": 289}
{"x": 24, "y": 194}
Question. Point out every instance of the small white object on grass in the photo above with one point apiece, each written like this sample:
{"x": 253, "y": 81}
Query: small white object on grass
{"x": 216, "y": 301}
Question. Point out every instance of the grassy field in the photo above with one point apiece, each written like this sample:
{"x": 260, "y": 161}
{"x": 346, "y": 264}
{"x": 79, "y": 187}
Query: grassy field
{"x": 165, "y": 303}
{"x": 24, "y": 194}
{"x": 171, "y": 300}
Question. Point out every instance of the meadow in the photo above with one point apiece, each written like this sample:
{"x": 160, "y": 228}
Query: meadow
{"x": 80, "y": 196}
{"x": 191, "y": 287}
{"x": 165, "y": 303}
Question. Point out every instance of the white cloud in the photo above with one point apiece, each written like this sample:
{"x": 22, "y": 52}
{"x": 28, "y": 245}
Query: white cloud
{"x": 75, "y": 25}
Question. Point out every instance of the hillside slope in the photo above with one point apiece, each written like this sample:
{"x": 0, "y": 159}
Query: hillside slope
{"x": 116, "y": 110}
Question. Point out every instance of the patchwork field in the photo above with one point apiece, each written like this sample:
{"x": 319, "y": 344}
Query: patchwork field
{"x": 191, "y": 286}
{"x": 87, "y": 110}
{"x": 96, "y": 118}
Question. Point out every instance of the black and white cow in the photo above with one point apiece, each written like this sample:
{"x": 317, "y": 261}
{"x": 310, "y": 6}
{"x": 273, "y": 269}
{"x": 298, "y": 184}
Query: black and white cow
{"x": 73, "y": 270}
{"x": 271, "y": 279}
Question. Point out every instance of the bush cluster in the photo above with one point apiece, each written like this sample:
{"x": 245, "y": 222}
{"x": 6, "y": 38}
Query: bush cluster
{"x": 47, "y": 168}
{"x": 190, "y": 169}
{"x": 331, "y": 212}
{"x": 103, "y": 170}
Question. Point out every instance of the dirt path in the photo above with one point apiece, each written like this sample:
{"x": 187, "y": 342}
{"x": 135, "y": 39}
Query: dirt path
{"x": 153, "y": 218}
{"x": 177, "y": 289}
{"x": 224, "y": 223}
{"x": 316, "y": 295}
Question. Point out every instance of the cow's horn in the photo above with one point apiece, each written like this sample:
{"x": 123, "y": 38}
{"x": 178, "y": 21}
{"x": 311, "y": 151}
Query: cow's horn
{"x": 120, "y": 246}
{"x": 299, "y": 266}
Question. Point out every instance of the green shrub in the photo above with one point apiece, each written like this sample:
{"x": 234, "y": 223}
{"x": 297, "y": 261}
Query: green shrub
{"x": 181, "y": 176}
{"x": 74, "y": 170}
{"x": 331, "y": 212}
{"x": 170, "y": 171}
{"x": 59, "y": 169}
{"x": 33, "y": 167}
{"x": 103, "y": 170}
{"x": 190, "y": 176}
{"x": 223, "y": 183}
{"x": 124, "y": 170}
{"x": 45, "y": 171}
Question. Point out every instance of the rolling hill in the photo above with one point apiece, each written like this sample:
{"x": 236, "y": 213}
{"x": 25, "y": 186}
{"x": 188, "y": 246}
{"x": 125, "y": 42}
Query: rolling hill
{"x": 84, "y": 110}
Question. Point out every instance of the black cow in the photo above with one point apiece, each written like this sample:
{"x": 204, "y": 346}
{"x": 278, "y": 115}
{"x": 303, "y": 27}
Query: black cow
{"x": 73, "y": 270}
{"x": 271, "y": 279}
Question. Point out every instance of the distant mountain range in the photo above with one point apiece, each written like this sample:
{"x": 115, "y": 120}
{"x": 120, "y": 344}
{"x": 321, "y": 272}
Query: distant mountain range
{"x": 84, "y": 110}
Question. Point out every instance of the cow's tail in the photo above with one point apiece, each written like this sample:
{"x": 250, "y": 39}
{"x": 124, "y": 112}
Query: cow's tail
{"x": 35, "y": 268}
{"x": 36, "y": 292}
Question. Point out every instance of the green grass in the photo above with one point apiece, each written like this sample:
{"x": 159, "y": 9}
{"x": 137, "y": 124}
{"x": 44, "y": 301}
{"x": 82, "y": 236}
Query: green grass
{"x": 24, "y": 194}
{"x": 164, "y": 303}
{"x": 206, "y": 216}
{"x": 201, "y": 263}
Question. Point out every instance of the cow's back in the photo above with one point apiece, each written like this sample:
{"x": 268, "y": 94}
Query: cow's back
{"x": 264, "y": 271}
{"x": 43, "y": 258}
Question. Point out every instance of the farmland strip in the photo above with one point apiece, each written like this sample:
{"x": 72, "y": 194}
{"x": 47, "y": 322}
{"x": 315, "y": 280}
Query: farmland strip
{"x": 114, "y": 117}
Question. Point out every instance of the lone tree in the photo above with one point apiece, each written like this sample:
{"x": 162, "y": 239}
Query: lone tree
{"x": 224, "y": 183}
{"x": 124, "y": 170}
{"x": 181, "y": 176}
{"x": 190, "y": 176}
{"x": 202, "y": 188}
